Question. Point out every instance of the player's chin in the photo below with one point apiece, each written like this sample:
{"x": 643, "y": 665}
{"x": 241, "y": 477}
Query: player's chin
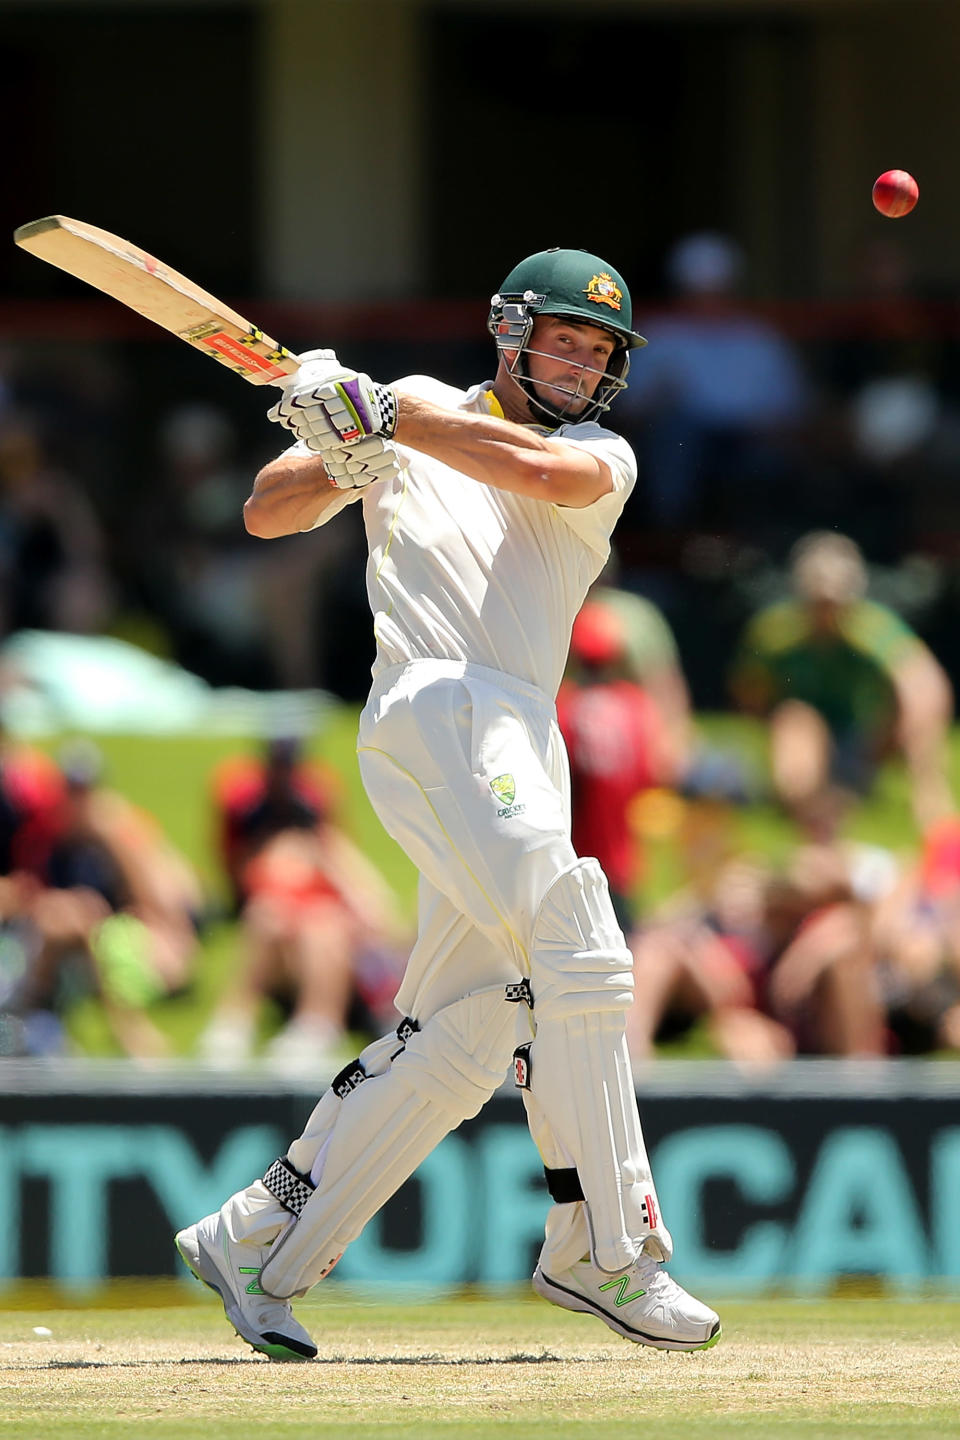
{"x": 565, "y": 403}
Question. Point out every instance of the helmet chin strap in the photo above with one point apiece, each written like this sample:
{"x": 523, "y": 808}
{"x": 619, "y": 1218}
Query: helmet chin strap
{"x": 541, "y": 408}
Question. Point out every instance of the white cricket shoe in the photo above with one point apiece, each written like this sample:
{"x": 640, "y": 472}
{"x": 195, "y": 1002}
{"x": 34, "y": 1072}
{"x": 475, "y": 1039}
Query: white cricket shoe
{"x": 232, "y": 1270}
{"x": 642, "y": 1303}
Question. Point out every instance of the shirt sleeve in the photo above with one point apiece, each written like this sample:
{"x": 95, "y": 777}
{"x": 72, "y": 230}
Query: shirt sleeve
{"x": 879, "y": 633}
{"x": 594, "y": 524}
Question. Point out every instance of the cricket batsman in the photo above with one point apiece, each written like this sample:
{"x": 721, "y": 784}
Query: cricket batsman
{"x": 488, "y": 515}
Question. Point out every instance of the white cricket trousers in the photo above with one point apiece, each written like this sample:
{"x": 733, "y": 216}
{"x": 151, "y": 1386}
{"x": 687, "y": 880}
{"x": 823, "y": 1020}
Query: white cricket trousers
{"x": 467, "y": 770}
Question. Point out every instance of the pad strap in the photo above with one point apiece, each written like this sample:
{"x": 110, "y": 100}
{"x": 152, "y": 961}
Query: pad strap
{"x": 519, "y": 993}
{"x": 354, "y": 1074}
{"x": 564, "y": 1185}
{"x": 348, "y": 1079}
{"x": 287, "y": 1185}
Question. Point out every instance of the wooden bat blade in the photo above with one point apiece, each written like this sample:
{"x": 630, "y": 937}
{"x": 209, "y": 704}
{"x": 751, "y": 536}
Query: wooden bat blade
{"x": 142, "y": 283}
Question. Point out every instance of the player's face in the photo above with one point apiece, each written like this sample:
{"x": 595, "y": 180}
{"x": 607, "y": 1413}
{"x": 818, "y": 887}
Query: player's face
{"x": 567, "y": 361}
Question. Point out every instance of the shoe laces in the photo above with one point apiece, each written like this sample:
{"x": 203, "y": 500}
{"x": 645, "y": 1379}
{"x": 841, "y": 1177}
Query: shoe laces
{"x": 654, "y": 1278}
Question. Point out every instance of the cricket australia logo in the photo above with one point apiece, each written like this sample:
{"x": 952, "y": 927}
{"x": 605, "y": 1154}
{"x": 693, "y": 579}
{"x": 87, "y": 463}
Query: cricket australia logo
{"x": 504, "y": 788}
{"x": 604, "y": 290}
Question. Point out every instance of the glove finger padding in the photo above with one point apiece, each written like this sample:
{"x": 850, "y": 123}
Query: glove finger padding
{"x": 307, "y": 420}
{"x": 353, "y": 466}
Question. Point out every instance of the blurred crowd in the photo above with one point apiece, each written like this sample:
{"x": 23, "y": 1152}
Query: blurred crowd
{"x": 789, "y": 553}
{"x": 97, "y": 903}
{"x": 834, "y": 946}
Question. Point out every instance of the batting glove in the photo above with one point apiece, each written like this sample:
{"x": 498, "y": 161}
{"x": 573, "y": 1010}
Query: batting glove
{"x": 357, "y": 406}
{"x": 298, "y": 411}
{"x": 349, "y": 467}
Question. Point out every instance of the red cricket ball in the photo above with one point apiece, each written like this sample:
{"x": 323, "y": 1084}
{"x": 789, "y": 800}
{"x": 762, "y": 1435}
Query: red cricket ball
{"x": 895, "y": 193}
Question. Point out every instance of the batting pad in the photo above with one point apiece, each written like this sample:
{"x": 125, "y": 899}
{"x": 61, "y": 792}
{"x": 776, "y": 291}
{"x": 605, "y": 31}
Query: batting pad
{"x": 385, "y": 1126}
{"x": 255, "y": 1215}
{"x": 581, "y": 1102}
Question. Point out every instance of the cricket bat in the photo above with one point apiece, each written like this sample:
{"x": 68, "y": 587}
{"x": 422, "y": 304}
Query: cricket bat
{"x": 146, "y": 285}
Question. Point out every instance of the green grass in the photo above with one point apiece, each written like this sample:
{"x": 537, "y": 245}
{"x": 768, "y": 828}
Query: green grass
{"x": 473, "y": 1366}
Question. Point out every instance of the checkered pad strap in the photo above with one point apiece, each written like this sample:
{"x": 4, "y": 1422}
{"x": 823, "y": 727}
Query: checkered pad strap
{"x": 287, "y": 1185}
{"x": 353, "y": 1075}
{"x": 520, "y": 993}
{"x": 348, "y": 1079}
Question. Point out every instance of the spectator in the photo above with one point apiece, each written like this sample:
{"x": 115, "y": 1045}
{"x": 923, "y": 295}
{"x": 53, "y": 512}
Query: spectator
{"x": 113, "y": 911}
{"x": 702, "y": 955}
{"x": 618, "y": 747}
{"x": 650, "y": 659}
{"x": 917, "y": 939}
{"x": 719, "y": 400}
{"x": 52, "y": 568}
{"x": 196, "y": 569}
{"x": 31, "y": 792}
{"x": 320, "y": 927}
{"x": 821, "y": 980}
{"x": 776, "y": 961}
{"x": 31, "y": 797}
{"x": 845, "y": 683}
{"x": 258, "y": 797}
{"x": 897, "y": 424}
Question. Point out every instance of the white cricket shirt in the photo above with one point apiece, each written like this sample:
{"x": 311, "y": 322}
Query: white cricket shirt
{"x": 461, "y": 571}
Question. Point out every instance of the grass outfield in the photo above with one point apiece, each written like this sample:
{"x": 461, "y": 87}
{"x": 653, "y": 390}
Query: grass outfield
{"x": 472, "y": 1367}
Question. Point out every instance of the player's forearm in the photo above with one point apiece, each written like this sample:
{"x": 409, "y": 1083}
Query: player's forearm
{"x": 290, "y": 494}
{"x": 503, "y": 455}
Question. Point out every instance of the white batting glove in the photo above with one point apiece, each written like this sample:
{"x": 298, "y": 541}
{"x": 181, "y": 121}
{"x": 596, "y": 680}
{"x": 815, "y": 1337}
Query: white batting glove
{"x": 297, "y": 410}
{"x": 349, "y": 467}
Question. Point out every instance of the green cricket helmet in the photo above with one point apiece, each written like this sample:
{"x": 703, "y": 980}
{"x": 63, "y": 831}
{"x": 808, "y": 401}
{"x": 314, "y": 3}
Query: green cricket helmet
{"x": 576, "y": 286}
